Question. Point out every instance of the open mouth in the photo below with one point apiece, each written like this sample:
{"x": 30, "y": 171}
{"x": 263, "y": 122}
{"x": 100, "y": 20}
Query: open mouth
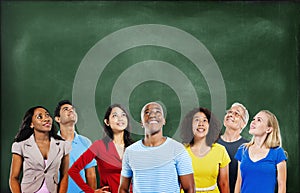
{"x": 153, "y": 122}
{"x": 200, "y": 130}
{"x": 47, "y": 125}
{"x": 120, "y": 124}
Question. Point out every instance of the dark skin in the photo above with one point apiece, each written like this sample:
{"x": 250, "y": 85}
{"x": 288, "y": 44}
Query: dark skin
{"x": 152, "y": 121}
{"x": 41, "y": 124}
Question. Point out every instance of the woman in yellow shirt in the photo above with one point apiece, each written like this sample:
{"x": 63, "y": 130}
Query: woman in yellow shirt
{"x": 200, "y": 130}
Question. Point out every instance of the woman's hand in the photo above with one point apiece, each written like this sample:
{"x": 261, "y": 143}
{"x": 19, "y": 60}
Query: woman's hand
{"x": 104, "y": 189}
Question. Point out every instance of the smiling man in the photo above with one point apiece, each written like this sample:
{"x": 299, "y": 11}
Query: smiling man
{"x": 156, "y": 163}
{"x": 235, "y": 120}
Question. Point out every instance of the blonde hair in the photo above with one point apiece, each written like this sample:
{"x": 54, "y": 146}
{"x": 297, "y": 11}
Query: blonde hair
{"x": 273, "y": 139}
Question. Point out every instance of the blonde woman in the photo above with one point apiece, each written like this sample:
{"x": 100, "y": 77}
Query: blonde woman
{"x": 262, "y": 161}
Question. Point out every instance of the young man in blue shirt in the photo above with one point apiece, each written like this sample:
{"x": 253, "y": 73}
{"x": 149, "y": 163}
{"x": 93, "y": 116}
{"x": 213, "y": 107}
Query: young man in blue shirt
{"x": 66, "y": 117}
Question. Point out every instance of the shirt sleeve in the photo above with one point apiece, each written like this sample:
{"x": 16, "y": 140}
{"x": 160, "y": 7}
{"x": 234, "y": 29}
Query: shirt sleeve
{"x": 239, "y": 153}
{"x": 281, "y": 156}
{"x": 67, "y": 147}
{"x": 225, "y": 158}
{"x": 16, "y": 148}
{"x": 93, "y": 163}
{"x": 126, "y": 169}
{"x": 77, "y": 166}
{"x": 184, "y": 163}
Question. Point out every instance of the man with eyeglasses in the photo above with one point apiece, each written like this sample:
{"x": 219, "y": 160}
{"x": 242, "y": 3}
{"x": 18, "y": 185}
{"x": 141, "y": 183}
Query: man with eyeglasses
{"x": 66, "y": 117}
{"x": 235, "y": 120}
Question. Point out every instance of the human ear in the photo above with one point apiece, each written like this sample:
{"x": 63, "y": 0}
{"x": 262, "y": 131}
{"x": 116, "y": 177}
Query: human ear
{"x": 57, "y": 119}
{"x": 106, "y": 122}
{"x": 31, "y": 125}
{"x": 269, "y": 130}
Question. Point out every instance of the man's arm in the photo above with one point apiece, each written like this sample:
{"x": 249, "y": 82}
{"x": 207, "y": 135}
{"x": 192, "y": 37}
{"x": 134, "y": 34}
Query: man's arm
{"x": 90, "y": 175}
{"x": 187, "y": 183}
{"x": 124, "y": 185}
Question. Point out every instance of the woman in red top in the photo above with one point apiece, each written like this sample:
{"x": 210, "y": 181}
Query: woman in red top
{"x": 108, "y": 152}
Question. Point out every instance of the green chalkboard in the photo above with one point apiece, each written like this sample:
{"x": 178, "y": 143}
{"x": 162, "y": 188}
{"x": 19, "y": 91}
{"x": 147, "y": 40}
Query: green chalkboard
{"x": 183, "y": 54}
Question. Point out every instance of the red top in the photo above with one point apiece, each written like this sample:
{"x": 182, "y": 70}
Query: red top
{"x": 109, "y": 166}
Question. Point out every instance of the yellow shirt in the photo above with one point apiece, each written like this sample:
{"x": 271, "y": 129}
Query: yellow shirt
{"x": 206, "y": 169}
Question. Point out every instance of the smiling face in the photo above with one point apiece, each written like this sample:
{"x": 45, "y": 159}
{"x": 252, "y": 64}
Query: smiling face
{"x": 234, "y": 118}
{"x": 152, "y": 118}
{"x": 200, "y": 125}
{"x": 259, "y": 125}
{"x": 41, "y": 120}
{"x": 117, "y": 120}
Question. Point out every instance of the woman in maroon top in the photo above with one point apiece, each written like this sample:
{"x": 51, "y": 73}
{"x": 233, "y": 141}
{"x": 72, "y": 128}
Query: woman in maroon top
{"x": 108, "y": 152}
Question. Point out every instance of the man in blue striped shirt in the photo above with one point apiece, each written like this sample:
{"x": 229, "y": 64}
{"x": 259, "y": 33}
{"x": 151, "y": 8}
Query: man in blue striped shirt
{"x": 156, "y": 163}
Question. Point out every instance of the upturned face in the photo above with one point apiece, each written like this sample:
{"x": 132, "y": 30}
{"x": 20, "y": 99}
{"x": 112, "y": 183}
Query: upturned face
{"x": 259, "y": 125}
{"x": 41, "y": 120}
{"x": 67, "y": 114}
{"x": 117, "y": 120}
{"x": 200, "y": 125}
{"x": 234, "y": 118}
{"x": 152, "y": 118}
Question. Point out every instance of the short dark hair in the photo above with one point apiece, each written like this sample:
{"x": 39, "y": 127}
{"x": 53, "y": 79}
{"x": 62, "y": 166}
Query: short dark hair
{"x": 214, "y": 127}
{"x": 58, "y": 106}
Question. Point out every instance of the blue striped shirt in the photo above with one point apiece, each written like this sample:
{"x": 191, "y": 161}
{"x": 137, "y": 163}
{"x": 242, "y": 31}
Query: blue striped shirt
{"x": 156, "y": 169}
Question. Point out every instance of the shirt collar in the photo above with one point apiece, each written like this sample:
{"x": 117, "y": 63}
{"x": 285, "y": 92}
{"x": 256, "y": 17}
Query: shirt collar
{"x": 76, "y": 137}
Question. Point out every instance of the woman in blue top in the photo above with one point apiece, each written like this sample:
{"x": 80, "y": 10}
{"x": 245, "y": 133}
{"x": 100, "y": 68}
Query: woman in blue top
{"x": 262, "y": 161}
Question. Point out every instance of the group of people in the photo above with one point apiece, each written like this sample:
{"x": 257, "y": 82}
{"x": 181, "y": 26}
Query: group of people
{"x": 206, "y": 161}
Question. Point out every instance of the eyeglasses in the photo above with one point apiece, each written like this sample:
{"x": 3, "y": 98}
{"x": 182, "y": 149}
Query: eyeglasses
{"x": 236, "y": 114}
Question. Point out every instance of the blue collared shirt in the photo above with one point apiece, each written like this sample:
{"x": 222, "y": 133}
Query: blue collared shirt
{"x": 79, "y": 145}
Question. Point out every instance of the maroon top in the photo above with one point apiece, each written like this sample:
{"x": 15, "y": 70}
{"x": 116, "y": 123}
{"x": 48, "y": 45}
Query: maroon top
{"x": 109, "y": 166}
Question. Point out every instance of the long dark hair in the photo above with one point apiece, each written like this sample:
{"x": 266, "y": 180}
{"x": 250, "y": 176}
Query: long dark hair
{"x": 25, "y": 131}
{"x": 109, "y": 132}
{"x": 214, "y": 127}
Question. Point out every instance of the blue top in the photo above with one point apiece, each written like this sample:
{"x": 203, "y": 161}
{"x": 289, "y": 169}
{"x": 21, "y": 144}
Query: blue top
{"x": 79, "y": 145}
{"x": 156, "y": 169}
{"x": 259, "y": 176}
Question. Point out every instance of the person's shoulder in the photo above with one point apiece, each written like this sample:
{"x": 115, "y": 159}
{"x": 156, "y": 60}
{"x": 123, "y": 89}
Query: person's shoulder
{"x": 243, "y": 140}
{"x": 84, "y": 139}
{"x": 135, "y": 145}
{"x": 218, "y": 146}
{"x": 99, "y": 142}
{"x": 277, "y": 149}
{"x": 62, "y": 143}
{"x": 174, "y": 143}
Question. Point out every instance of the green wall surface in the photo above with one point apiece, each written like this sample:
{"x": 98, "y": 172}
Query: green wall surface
{"x": 183, "y": 54}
